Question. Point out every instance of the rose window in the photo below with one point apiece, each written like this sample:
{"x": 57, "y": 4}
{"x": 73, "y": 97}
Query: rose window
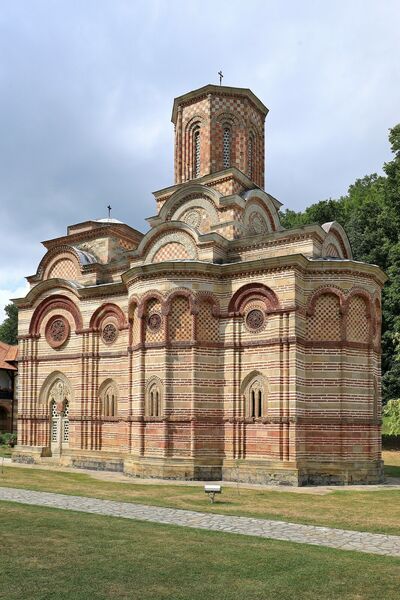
{"x": 109, "y": 333}
{"x": 255, "y": 319}
{"x": 154, "y": 322}
{"x": 57, "y": 331}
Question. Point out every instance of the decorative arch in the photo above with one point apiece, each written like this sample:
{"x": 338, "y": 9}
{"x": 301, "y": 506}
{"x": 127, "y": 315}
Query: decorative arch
{"x": 254, "y": 392}
{"x": 104, "y": 311}
{"x": 188, "y": 192}
{"x": 263, "y": 207}
{"x": 252, "y": 291}
{"x": 324, "y": 291}
{"x": 53, "y": 303}
{"x": 108, "y": 398}
{"x": 207, "y": 318}
{"x": 210, "y": 299}
{"x": 154, "y": 398}
{"x": 337, "y": 237}
{"x": 186, "y": 293}
{"x": 171, "y": 232}
{"x": 192, "y": 161}
{"x": 358, "y": 316}
{"x": 56, "y": 387}
{"x": 79, "y": 257}
{"x": 145, "y": 299}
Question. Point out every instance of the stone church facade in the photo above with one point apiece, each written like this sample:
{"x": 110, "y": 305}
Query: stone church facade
{"x": 218, "y": 345}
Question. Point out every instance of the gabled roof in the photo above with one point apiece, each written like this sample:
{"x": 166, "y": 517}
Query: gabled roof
{"x": 8, "y": 355}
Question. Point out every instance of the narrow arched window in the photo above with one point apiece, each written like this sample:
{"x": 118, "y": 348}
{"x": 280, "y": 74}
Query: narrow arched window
{"x": 255, "y": 399}
{"x": 109, "y": 400}
{"x": 227, "y": 148}
{"x": 196, "y": 152}
{"x": 250, "y": 156}
{"x": 153, "y": 406}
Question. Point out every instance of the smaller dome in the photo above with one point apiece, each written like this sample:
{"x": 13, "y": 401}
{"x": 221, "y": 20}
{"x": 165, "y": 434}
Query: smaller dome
{"x": 109, "y": 221}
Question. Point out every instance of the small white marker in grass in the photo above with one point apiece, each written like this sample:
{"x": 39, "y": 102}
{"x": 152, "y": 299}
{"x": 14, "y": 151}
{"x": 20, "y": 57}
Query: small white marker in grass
{"x": 212, "y": 490}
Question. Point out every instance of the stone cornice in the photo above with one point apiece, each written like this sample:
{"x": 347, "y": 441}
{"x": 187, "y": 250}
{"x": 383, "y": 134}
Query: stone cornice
{"x": 219, "y": 90}
{"x": 209, "y": 180}
{"x": 264, "y": 265}
{"x": 101, "y": 230}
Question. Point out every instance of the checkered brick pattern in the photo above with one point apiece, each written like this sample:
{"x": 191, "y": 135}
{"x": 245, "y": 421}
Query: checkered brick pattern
{"x": 198, "y": 218}
{"x": 207, "y": 324}
{"x": 171, "y": 251}
{"x": 357, "y": 326}
{"x": 332, "y": 251}
{"x": 63, "y": 268}
{"x": 180, "y": 320}
{"x": 325, "y": 324}
{"x": 135, "y": 328}
{"x": 213, "y": 114}
{"x": 154, "y": 306}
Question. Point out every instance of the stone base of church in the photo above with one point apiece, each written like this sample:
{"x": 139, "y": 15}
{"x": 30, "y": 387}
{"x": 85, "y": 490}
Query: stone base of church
{"x": 341, "y": 473}
{"x": 262, "y": 472}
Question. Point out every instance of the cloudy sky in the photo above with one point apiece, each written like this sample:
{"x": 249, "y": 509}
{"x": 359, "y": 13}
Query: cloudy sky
{"x": 86, "y": 90}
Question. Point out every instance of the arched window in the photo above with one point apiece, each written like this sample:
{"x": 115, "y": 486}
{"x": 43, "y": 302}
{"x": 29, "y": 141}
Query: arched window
{"x": 250, "y": 156}
{"x": 108, "y": 398}
{"x": 196, "y": 152}
{"x": 227, "y": 147}
{"x": 153, "y": 405}
{"x": 255, "y": 398}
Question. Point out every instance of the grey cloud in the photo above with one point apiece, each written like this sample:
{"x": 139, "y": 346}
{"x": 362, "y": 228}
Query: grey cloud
{"x": 86, "y": 91}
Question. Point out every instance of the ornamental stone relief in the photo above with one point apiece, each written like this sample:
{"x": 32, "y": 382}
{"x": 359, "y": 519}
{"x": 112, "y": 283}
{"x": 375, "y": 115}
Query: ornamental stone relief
{"x": 57, "y": 331}
{"x": 192, "y": 217}
{"x": 255, "y": 319}
{"x": 109, "y": 333}
{"x": 59, "y": 393}
{"x": 154, "y": 322}
{"x": 257, "y": 223}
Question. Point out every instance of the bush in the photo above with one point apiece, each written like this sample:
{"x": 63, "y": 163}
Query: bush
{"x": 8, "y": 439}
{"x": 391, "y": 415}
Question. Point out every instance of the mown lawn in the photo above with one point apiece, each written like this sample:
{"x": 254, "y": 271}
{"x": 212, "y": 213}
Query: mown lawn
{"x": 5, "y": 451}
{"x": 61, "y": 555}
{"x": 375, "y": 511}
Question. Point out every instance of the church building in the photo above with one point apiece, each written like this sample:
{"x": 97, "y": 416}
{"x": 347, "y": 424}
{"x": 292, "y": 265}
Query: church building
{"x": 218, "y": 345}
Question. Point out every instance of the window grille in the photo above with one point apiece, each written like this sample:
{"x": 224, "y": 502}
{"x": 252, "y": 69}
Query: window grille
{"x": 196, "y": 152}
{"x": 54, "y": 422}
{"x": 227, "y": 148}
{"x": 250, "y": 156}
{"x": 66, "y": 423}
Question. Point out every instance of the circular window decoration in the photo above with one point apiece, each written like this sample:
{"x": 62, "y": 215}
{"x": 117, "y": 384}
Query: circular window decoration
{"x": 193, "y": 218}
{"x": 154, "y": 322}
{"x": 109, "y": 333}
{"x": 255, "y": 319}
{"x": 57, "y": 331}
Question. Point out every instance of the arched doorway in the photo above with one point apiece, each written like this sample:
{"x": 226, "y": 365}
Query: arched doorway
{"x": 59, "y": 397}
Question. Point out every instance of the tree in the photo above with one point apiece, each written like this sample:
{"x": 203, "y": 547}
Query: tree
{"x": 370, "y": 214}
{"x": 9, "y": 327}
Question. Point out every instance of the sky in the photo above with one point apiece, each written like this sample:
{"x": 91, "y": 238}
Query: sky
{"x": 86, "y": 92}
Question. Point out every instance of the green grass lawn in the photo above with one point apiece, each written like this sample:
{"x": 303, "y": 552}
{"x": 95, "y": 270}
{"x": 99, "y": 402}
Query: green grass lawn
{"x": 376, "y": 511}
{"x": 5, "y": 451}
{"x": 62, "y": 555}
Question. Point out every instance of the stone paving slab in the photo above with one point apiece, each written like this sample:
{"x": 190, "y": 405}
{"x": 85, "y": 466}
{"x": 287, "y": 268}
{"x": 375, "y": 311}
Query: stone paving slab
{"x": 374, "y": 543}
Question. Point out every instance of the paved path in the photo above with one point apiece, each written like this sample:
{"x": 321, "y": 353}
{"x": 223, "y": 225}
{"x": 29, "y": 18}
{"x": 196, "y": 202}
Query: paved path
{"x": 374, "y": 543}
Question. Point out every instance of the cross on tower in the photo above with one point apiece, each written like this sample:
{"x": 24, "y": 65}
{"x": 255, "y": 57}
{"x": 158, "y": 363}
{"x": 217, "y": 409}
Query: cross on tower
{"x": 220, "y": 77}
{"x": 109, "y": 211}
